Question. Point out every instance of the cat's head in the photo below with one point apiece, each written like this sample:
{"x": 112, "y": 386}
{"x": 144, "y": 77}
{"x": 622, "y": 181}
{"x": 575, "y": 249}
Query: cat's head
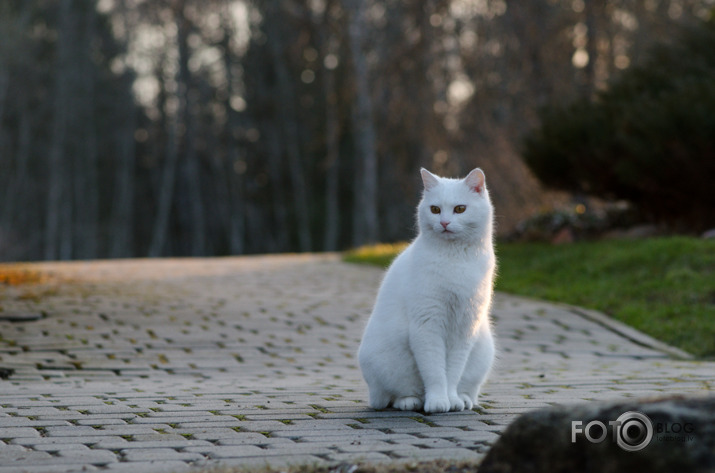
{"x": 455, "y": 209}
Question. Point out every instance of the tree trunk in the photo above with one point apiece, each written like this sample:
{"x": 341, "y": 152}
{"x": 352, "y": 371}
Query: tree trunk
{"x": 122, "y": 222}
{"x": 332, "y": 136}
{"x": 234, "y": 168}
{"x": 86, "y": 181}
{"x": 365, "y": 216}
{"x": 289, "y": 127}
{"x": 59, "y": 200}
{"x": 6, "y": 173}
{"x": 122, "y": 217}
{"x": 192, "y": 213}
{"x": 279, "y": 239}
{"x": 167, "y": 181}
{"x": 15, "y": 213}
{"x": 589, "y": 85}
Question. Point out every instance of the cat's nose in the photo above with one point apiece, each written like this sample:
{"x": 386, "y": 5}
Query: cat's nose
{"x": 444, "y": 224}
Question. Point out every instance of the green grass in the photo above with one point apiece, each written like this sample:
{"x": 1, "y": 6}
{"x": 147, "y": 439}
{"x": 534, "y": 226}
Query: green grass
{"x": 664, "y": 287}
{"x": 378, "y": 255}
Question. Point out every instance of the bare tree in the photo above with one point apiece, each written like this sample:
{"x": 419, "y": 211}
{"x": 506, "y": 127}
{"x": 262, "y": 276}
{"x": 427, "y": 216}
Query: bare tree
{"x": 330, "y": 47}
{"x": 190, "y": 211}
{"x": 13, "y": 179}
{"x": 58, "y": 230}
{"x": 290, "y": 136}
{"x": 122, "y": 215}
{"x": 267, "y": 126}
{"x": 86, "y": 183}
{"x": 168, "y": 176}
{"x": 365, "y": 217}
{"x": 235, "y": 167}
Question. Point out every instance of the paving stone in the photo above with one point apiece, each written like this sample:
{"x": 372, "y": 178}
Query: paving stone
{"x": 278, "y": 461}
{"x": 90, "y": 456}
{"x": 30, "y": 422}
{"x": 197, "y": 363}
{"x": 149, "y": 467}
{"x": 17, "y": 432}
{"x": 158, "y": 454}
{"x": 83, "y": 440}
{"x": 343, "y": 434}
{"x": 219, "y": 452}
{"x": 61, "y": 468}
{"x": 477, "y": 437}
{"x": 19, "y": 455}
{"x": 356, "y": 446}
{"x": 61, "y": 447}
{"x": 174, "y": 443}
{"x": 253, "y": 438}
{"x": 451, "y": 453}
{"x": 369, "y": 457}
{"x": 102, "y": 421}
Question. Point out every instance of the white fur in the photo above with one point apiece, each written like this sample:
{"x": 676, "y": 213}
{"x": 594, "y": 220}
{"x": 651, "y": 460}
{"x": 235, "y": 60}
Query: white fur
{"x": 428, "y": 344}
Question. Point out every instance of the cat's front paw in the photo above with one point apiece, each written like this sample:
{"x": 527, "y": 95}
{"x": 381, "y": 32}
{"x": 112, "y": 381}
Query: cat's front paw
{"x": 456, "y": 403}
{"x": 437, "y": 404}
{"x": 407, "y": 403}
{"x": 468, "y": 401}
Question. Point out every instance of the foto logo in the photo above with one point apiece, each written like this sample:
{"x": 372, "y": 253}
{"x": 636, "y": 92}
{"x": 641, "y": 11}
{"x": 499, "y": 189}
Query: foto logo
{"x": 632, "y": 431}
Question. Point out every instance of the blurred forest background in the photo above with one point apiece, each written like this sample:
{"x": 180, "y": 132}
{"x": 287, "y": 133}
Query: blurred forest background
{"x": 206, "y": 127}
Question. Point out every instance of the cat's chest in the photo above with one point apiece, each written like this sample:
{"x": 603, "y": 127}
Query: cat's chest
{"x": 454, "y": 274}
{"x": 446, "y": 301}
{"x": 452, "y": 285}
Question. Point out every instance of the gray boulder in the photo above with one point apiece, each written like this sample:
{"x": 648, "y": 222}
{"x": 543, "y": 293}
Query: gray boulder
{"x": 654, "y": 435}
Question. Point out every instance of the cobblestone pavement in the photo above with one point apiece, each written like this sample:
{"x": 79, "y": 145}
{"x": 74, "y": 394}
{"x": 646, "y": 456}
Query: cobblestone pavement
{"x": 172, "y": 365}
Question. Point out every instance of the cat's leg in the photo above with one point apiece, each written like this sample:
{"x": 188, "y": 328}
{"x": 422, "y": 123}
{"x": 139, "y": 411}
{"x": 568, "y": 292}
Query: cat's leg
{"x": 430, "y": 356}
{"x": 391, "y": 374}
{"x": 457, "y": 356}
{"x": 373, "y": 373}
{"x": 379, "y": 399}
{"x": 477, "y": 368}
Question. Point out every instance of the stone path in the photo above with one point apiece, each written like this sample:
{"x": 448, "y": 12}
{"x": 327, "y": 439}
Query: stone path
{"x": 174, "y": 365}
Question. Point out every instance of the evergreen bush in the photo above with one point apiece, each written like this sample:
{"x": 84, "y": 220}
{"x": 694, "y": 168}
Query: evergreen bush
{"x": 649, "y": 138}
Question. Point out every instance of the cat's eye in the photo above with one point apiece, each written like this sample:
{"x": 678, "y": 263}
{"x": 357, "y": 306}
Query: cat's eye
{"x": 460, "y": 209}
{"x": 434, "y": 209}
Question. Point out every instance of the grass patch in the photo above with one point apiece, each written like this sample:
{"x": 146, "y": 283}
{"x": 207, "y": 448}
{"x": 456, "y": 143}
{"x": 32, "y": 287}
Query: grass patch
{"x": 664, "y": 287}
{"x": 17, "y": 275}
{"x": 378, "y": 255}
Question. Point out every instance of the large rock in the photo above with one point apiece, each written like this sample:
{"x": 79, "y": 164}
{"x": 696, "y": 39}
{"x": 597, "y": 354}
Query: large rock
{"x": 557, "y": 439}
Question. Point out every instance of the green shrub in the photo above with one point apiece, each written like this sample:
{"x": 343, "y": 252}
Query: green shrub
{"x": 649, "y": 138}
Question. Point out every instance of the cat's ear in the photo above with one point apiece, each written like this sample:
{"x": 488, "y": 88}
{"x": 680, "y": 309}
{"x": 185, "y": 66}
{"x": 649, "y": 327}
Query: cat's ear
{"x": 428, "y": 179}
{"x": 475, "y": 180}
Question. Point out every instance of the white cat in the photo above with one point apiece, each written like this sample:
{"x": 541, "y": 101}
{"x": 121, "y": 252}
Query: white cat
{"x": 428, "y": 344}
